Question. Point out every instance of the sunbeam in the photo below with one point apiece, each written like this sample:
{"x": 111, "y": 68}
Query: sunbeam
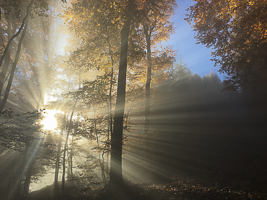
{"x": 49, "y": 122}
{"x": 108, "y": 100}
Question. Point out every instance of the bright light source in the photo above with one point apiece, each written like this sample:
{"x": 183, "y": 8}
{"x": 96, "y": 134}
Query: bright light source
{"x": 49, "y": 121}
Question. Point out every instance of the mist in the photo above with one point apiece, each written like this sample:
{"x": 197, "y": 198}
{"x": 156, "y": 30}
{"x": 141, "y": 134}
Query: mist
{"x": 95, "y": 103}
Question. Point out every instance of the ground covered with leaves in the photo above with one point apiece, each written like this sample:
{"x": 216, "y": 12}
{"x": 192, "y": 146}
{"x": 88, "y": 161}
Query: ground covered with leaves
{"x": 176, "y": 189}
{"x": 192, "y": 189}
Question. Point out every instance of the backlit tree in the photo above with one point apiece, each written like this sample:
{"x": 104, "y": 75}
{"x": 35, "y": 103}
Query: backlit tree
{"x": 237, "y": 31}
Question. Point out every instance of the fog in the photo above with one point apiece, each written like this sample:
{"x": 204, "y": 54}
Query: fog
{"x": 93, "y": 107}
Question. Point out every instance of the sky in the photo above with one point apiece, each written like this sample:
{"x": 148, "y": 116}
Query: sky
{"x": 196, "y": 56}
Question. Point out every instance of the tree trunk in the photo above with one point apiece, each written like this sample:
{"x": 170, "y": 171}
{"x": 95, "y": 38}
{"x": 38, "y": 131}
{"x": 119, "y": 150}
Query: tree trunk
{"x": 63, "y": 162}
{"x": 56, "y": 184}
{"x": 116, "y": 136}
{"x": 99, "y": 153}
{"x": 111, "y": 83}
{"x": 16, "y": 34}
{"x": 110, "y": 103}
{"x": 13, "y": 175}
{"x": 70, "y": 172}
{"x": 28, "y": 177}
{"x": 20, "y": 173}
{"x": 148, "y": 80}
{"x": 10, "y": 80}
{"x": 65, "y": 149}
{"x": 6, "y": 61}
{"x": 71, "y": 161}
{"x": 110, "y": 128}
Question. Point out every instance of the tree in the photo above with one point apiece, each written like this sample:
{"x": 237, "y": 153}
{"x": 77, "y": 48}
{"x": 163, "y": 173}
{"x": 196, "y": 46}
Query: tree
{"x": 70, "y": 126}
{"x": 106, "y": 22}
{"x": 156, "y": 27}
{"x": 25, "y": 52}
{"x": 7, "y": 52}
{"x": 110, "y": 39}
{"x": 22, "y": 133}
{"x": 57, "y": 163}
{"x": 237, "y": 32}
{"x": 101, "y": 45}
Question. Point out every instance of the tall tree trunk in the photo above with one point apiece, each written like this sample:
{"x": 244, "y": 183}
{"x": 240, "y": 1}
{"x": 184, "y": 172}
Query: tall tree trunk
{"x": 64, "y": 161}
{"x": 16, "y": 34}
{"x": 65, "y": 149}
{"x": 46, "y": 60}
{"x": 13, "y": 175}
{"x": 71, "y": 155}
{"x": 6, "y": 61}
{"x": 110, "y": 128}
{"x": 147, "y": 31}
{"x": 110, "y": 103}
{"x": 70, "y": 172}
{"x": 10, "y": 80}
{"x": 111, "y": 82}
{"x": 56, "y": 184}
{"x": 20, "y": 173}
{"x": 116, "y": 136}
{"x": 28, "y": 177}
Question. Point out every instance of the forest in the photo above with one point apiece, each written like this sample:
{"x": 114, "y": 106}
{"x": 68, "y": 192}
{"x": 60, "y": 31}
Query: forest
{"x": 94, "y": 106}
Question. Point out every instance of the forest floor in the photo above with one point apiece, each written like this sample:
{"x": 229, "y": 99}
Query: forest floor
{"x": 205, "y": 166}
{"x": 176, "y": 189}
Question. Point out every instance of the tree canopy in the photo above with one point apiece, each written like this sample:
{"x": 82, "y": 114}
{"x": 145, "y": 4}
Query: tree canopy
{"x": 237, "y": 31}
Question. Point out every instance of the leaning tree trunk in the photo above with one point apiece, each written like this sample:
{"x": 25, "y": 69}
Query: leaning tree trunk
{"x": 6, "y": 53}
{"x": 10, "y": 80}
{"x": 16, "y": 34}
{"x": 3, "y": 73}
{"x": 116, "y": 136}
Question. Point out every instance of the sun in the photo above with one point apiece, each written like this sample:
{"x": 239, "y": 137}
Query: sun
{"x": 49, "y": 122}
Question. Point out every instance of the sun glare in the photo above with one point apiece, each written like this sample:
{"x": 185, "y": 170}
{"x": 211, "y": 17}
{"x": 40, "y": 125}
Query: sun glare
{"x": 49, "y": 122}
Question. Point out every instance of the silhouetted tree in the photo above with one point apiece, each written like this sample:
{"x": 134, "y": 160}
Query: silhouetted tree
{"x": 240, "y": 50}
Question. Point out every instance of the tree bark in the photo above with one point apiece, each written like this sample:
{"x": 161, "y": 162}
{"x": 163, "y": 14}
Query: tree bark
{"x": 147, "y": 31}
{"x": 116, "y": 136}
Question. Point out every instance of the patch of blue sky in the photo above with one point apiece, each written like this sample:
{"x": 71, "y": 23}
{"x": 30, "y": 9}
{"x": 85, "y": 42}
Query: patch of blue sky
{"x": 196, "y": 56}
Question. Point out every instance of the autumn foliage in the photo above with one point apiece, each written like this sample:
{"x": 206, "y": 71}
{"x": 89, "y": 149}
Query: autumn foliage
{"x": 237, "y": 31}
